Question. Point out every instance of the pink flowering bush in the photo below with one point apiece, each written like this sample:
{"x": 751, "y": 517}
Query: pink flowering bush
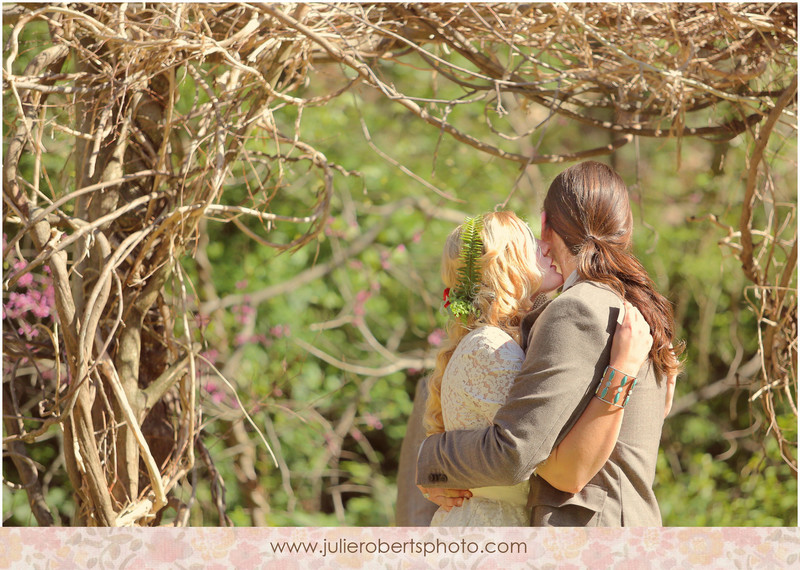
{"x": 32, "y": 299}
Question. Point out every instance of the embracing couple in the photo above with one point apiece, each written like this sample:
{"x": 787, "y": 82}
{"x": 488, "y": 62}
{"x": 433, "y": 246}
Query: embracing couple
{"x": 549, "y": 412}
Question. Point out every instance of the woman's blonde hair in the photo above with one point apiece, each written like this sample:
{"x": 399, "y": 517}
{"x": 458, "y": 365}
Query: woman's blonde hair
{"x": 509, "y": 278}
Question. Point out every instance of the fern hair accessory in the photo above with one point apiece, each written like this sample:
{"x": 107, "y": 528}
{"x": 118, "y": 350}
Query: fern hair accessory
{"x": 461, "y": 299}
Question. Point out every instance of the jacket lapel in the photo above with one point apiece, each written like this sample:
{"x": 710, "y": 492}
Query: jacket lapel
{"x": 539, "y": 305}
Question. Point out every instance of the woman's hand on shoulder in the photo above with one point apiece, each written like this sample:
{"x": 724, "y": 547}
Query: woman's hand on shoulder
{"x": 632, "y": 342}
{"x": 670, "y": 393}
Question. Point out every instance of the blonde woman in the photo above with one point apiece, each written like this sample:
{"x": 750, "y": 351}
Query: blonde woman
{"x": 495, "y": 274}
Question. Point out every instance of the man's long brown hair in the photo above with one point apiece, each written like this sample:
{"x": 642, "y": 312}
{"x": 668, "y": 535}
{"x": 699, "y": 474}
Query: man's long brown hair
{"x": 587, "y": 206}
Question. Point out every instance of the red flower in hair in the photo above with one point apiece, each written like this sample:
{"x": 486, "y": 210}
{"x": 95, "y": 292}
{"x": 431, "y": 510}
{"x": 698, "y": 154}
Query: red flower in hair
{"x": 445, "y": 296}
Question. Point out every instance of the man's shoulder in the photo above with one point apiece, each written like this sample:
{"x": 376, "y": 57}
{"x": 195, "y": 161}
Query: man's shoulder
{"x": 584, "y": 301}
{"x": 589, "y": 293}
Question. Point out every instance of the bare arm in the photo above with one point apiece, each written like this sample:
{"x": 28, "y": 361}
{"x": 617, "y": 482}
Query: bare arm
{"x": 588, "y": 445}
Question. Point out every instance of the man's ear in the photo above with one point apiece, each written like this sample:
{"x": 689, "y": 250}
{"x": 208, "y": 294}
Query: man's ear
{"x": 544, "y": 225}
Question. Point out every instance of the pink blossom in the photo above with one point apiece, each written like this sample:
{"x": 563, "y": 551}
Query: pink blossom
{"x": 50, "y": 294}
{"x": 361, "y": 298}
{"x": 241, "y": 284}
{"x": 279, "y": 331}
{"x": 244, "y": 313}
{"x": 210, "y": 355}
{"x": 27, "y": 330}
{"x": 217, "y": 395}
{"x": 372, "y": 421}
{"x": 16, "y": 305}
{"x": 436, "y": 337}
{"x": 401, "y": 248}
{"x": 26, "y": 280}
{"x": 41, "y": 307}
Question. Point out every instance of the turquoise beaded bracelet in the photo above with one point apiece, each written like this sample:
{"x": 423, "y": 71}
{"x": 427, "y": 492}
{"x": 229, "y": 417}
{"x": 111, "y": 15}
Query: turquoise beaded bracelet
{"x": 621, "y": 392}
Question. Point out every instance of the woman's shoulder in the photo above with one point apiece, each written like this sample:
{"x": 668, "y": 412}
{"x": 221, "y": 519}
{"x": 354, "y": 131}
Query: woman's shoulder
{"x": 489, "y": 339}
{"x": 489, "y": 334}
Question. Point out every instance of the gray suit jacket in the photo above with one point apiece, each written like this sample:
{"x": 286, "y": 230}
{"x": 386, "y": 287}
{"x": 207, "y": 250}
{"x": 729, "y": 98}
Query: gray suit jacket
{"x": 568, "y": 345}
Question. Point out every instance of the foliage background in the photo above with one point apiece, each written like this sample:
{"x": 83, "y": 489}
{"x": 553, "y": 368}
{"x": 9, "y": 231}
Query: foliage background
{"x": 327, "y": 367}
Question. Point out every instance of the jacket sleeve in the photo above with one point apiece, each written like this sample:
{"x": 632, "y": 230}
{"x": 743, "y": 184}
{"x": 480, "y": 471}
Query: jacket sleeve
{"x": 568, "y": 349}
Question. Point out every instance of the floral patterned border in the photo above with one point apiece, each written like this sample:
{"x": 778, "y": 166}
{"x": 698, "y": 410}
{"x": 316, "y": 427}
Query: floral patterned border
{"x": 289, "y": 548}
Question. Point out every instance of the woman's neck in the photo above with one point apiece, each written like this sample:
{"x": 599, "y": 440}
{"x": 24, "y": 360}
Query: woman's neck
{"x": 568, "y": 266}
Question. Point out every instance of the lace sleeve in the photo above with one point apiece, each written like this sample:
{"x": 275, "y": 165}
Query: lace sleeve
{"x": 493, "y": 359}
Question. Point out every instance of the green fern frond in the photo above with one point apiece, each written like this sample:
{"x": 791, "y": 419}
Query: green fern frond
{"x": 469, "y": 274}
{"x": 471, "y": 252}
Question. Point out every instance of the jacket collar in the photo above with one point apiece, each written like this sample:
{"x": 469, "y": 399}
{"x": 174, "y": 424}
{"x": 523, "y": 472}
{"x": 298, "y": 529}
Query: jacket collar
{"x": 570, "y": 281}
{"x": 539, "y": 305}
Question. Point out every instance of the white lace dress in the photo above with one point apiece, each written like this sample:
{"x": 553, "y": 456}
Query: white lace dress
{"x": 475, "y": 384}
